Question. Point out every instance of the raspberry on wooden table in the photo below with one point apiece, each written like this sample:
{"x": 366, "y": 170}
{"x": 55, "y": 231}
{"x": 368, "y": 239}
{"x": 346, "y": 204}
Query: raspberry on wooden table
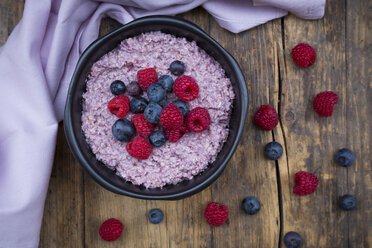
{"x": 111, "y": 229}
{"x": 216, "y": 214}
{"x": 266, "y": 117}
{"x": 119, "y": 106}
{"x": 324, "y": 102}
{"x": 303, "y": 55}
{"x": 146, "y": 77}
{"x": 306, "y": 183}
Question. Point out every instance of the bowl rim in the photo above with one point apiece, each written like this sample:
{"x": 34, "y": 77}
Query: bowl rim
{"x": 70, "y": 134}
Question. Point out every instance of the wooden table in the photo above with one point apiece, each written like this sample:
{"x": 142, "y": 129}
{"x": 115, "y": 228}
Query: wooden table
{"x": 76, "y": 205}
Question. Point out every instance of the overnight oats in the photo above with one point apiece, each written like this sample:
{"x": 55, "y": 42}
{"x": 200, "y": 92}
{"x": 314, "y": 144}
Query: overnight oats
{"x": 156, "y": 109}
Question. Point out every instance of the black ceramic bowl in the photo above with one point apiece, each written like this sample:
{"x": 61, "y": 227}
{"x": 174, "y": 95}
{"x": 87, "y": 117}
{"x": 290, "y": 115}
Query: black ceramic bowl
{"x": 72, "y": 123}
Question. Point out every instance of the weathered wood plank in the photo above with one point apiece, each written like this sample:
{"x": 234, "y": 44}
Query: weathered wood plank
{"x": 311, "y": 141}
{"x": 358, "y": 119}
{"x": 63, "y": 223}
{"x": 249, "y": 173}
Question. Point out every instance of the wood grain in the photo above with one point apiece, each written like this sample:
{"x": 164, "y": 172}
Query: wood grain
{"x": 311, "y": 141}
{"x": 76, "y": 205}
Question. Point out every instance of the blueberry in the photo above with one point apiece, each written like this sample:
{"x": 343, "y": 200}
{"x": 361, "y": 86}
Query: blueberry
{"x": 177, "y": 68}
{"x": 273, "y": 150}
{"x": 184, "y": 108}
{"x": 155, "y": 216}
{"x": 156, "y": 92}
{"x": 152, "y": 112}
{"x": 345, "y": 157}
{"x": 167, "y": 82}
{"x": 134, "y": 89}
{"x": 347, "y": 202}
{"x": 123, "y": 130}
{"x": 118, "y": 87}
{"x": 138, "y": 104}
{"x": 251, "y": 205}
{"x": 292, "y": 240}
{"x": 163, "y": 103}
{"x": 157, "y": 138}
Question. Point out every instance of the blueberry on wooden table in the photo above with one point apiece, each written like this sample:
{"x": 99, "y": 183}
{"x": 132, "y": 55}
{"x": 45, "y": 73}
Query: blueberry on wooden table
{"x": 155, "y": 216}
{"x": 292, "y": 240}
{"x": 251, "y": 205}
{"x": 347, "y": 202}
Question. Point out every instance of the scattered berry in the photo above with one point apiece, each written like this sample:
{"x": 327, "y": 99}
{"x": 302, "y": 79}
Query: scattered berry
{"x": 123, "y": 130}
{"x": 117, "y": 87}
{"x": 119, "y": 106}
{"x": 157, "y": 138}
{"x": 182, "y": 106}
{"x": 139, "y": 148}
{"x": 143, "y": 127}
{"x": 273, "y": 150}
{"x": 156, "y": 92}
{"x": 167, "y": 82}
{"x": 303, "y": 55}
{"x": 111, "y": 229}
{"x": 198, "y": 120}
{"x": 347, "y": 202}
{"x": 171, "y": 117}
{"x": 216, "y": 214}
{"x": 177, "y": 68}
{"x": 306, "y": 183}
{"x": 173, "y": 135}
{"x": 292, "y": 240}
{"x": 251, "y": 205}
{"x": 138, "y": 104}
{"x": 186, "y": 88}
{"x": 163, "y": 103}
{"x": 345, "y": 157}
{"x": 146, "y": 77}
{"x": 323, "y": 103}
{"x": 152, "y": 112}
{"x": 266, "y": 117}
{"x": 155, "y": 216}
{"x": 134, "y": 89}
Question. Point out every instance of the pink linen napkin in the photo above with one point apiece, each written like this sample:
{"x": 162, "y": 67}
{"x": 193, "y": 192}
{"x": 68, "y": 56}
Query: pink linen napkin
{"x": 36, "y": 65}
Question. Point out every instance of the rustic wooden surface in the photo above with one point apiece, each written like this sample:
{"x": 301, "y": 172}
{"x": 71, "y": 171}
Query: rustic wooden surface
{"x": 76, "y": 205}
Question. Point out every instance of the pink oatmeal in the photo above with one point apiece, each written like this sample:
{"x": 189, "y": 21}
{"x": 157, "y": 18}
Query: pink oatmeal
{"x": 172, "y": 162}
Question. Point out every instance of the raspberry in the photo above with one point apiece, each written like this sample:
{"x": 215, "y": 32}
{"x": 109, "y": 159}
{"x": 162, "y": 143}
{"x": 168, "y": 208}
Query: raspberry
{"x": 171, "y": 116}
{"x": 306, "y": 183}
{"x": 173, "y": 135}
{"x": 266, "y": 117}
{"x": 143, "y": 127}
{"x": 303, "y": 55}
{"x": 216, "y": 214}
{"x": 119, "y": 106}
{"x": 323, "y": 103}
{"x": 139, "y": 148}
{"x": 186, "y": 88}
{"x": 146, "y": 77}
{"x": 198, "y": 120}
{"x": 111, "y": 229}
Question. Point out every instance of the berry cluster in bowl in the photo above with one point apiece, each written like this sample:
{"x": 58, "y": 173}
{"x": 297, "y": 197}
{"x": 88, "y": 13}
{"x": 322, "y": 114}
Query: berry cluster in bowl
{"x": 156, "y": 119}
